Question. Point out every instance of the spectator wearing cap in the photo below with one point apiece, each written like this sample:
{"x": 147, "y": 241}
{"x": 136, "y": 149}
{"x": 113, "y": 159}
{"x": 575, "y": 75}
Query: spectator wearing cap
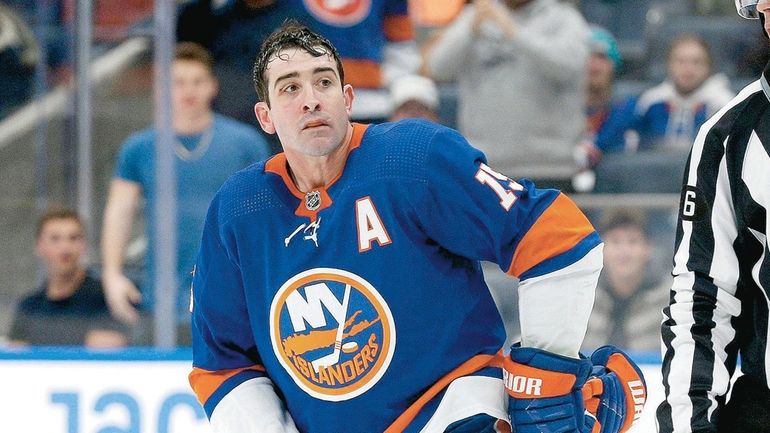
{"x": 607, "y": 118}
{"x": 414, "y": 96}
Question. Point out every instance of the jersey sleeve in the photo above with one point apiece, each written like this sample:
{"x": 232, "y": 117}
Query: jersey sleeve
{"x": 699, "y": 324}
{"x": 224, "y": 353}
{"x": 476, "y": 212}
{"x": 536, "y": 235}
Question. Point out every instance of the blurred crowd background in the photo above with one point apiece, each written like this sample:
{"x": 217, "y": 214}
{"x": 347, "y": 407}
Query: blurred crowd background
{"x": 600, "y": 98}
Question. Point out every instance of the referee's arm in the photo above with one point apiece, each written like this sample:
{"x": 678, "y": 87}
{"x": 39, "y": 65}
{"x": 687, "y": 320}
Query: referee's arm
{"x": 697, "y": 329}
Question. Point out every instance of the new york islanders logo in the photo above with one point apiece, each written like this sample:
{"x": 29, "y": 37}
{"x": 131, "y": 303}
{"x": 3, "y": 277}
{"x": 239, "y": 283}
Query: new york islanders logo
{"x": 332, "y": 332}
{"x": 343, "y": 13}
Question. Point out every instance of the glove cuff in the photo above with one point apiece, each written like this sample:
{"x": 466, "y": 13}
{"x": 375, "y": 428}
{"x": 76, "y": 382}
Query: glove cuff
{"x": 535, "y": 373}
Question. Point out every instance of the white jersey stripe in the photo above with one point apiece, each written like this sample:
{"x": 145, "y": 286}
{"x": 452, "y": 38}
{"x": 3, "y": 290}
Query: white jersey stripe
{"x": 756, "y": 175}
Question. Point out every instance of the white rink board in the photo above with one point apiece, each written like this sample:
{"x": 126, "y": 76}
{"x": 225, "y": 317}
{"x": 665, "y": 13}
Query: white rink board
{"x": 134, "y": 396}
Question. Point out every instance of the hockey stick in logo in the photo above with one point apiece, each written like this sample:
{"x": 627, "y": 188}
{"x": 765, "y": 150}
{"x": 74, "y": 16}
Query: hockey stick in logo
{"x": 334, "y": 357}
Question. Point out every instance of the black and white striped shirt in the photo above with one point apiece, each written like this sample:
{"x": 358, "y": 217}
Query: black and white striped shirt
{"x": 719, "y": 298}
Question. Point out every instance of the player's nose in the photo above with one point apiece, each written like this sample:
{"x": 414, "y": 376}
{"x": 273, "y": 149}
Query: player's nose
{"x": 310, "y": 100}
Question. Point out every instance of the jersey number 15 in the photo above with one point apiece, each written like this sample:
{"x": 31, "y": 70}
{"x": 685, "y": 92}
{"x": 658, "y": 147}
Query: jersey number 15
{"x": 504, "y": 187}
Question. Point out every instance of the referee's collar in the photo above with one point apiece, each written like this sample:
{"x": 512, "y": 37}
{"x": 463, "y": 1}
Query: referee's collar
{"x": 765, "y": 81}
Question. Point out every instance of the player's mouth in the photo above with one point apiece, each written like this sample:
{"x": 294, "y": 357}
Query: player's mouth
{"x": 315, "y": 123}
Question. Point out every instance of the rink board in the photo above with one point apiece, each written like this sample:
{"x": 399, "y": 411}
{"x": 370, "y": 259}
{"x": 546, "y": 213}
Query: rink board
{"x": 133, "y": 391}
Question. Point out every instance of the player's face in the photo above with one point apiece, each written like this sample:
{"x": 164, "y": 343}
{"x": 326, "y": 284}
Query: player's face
{"x": 309, "y": 108}
{"x": 62, "y": 246}
{"x": 688, "y": 66}
{"x": 193, "y": 87}
{"x": 626, "y": 252}
{"x": 600, "y": 71}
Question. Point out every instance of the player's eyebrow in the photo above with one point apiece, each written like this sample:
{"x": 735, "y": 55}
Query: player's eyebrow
{"x": 285, "y": 77}
{"x": 295, "y": 74}
{"x": 324, "y": 69}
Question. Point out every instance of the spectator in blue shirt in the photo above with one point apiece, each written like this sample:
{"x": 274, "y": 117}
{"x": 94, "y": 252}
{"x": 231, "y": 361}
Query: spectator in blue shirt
{"x": 209, "y": 148}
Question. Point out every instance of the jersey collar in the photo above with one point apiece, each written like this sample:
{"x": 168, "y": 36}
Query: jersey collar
{"x": 307, "y": 206}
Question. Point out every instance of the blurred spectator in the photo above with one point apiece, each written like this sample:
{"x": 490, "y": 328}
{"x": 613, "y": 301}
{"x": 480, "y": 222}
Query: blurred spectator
{"x": 209, "y": 147}
{"x": 434, "y": 13}
{"x": 414, "y": 96}
{"x": 606, "y": 117}
{"x": 19, "y": 52}
{"x": 47, "y": 20}
{"x": 630, "y": 295}
{"x": 713, "y": 7}
{"x": 670, "y": 114}
{"x": 520, "y": 67}
{"x": 69, "y": 308}
{"x": 375, "y": 40}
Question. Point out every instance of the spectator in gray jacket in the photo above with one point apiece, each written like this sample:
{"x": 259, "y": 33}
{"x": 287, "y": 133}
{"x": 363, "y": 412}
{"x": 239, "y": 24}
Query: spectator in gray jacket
{"x": 520, "y": 66}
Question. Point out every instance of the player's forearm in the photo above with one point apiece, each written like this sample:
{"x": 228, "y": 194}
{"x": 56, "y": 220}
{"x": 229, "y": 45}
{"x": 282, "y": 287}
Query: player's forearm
{"x": 546, "y": 301}
{"x": 234, "y": 411}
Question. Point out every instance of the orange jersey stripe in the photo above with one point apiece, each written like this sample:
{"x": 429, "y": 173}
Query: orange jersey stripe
{"x": 472, "y": 365}
{"x": 204, "y": 382}
{"x": 398, "y": 28}
{"x": 558, "y": 229}
{"x": 362, "y": 73}
{"x": 278, "y": 165}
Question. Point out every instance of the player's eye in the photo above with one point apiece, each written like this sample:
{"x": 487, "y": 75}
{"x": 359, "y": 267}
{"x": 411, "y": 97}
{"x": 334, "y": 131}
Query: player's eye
{"x": 325, "y": 82}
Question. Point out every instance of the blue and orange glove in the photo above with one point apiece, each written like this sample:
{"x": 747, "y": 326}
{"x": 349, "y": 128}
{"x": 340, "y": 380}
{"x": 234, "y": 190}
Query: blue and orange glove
{"x": 616, "y": 392}
{"x": 546, "y": 392}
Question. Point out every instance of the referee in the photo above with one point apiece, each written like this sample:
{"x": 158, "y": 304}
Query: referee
{"x": 719, "y": 299}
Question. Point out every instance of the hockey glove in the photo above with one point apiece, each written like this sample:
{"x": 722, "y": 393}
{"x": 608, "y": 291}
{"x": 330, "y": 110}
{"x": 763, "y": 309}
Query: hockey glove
{"x": 545, "y": 392}
{"x": 618, "y": 400}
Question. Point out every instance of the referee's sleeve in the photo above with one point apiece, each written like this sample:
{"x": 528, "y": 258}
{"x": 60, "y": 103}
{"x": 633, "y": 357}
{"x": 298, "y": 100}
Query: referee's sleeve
{"x": 697, "y": 328}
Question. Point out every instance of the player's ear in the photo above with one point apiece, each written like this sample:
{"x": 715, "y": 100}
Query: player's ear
{"x": 262, "y": 111}
{"x": 347, "y": 93}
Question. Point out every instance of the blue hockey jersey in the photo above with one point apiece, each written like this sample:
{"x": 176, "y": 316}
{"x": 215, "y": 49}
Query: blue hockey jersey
{"x": 363, "y": 300}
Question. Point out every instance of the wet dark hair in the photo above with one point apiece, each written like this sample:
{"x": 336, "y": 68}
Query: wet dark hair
{"x": 291, "y": 34}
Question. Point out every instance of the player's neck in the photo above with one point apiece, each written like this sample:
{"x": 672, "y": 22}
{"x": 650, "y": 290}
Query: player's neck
{"x": 189, "y": 124}
{"x": 63, "y": 285}
{"x": 309, "y": 173}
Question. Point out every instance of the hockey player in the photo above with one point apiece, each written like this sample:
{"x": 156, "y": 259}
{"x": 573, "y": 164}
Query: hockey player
{"x": 719, "y": 306}
{"x": 338, "y": 287}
